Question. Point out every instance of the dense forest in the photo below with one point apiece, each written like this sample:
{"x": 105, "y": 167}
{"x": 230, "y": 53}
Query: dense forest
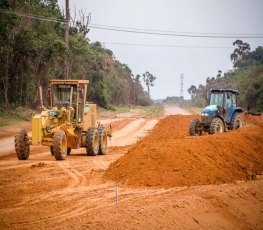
{"x": 33, "y": 51}
{"x": 246, "y": 76}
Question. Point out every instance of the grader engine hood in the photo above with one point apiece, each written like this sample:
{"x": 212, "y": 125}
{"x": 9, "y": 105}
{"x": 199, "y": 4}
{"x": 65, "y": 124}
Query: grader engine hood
{"x": 54, "y": 118}
{"x": 47, "y": 122}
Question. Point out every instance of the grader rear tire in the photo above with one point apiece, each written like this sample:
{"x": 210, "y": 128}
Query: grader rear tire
{"x": 60, "y": 145}
{"x": 21, "y": 145}
{"x": 102, "y": 141}
{"x": 92, "y": 142}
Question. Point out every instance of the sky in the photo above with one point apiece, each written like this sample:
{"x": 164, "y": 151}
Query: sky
{"x": 167, "y": 57}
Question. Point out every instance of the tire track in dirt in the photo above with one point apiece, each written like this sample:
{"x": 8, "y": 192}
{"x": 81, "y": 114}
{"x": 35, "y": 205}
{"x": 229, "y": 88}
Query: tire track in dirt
{"x": 131, "y": 132}
{"x": 94, "y": 202}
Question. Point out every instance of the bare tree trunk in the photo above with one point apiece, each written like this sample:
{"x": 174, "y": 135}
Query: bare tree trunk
{"x": 66, "y": 69}
{"x": 5, "y": 81}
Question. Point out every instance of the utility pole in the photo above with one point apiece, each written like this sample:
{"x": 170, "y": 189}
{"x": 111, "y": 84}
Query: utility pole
{"x": 66, "y": 68}
{"x": 182, "y": 85}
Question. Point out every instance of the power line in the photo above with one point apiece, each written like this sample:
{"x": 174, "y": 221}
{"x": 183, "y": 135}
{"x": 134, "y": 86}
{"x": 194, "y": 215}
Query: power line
{"x": 116, "y": 29}
{"x": 172, "y": 31}
{"x": 166, "y": 46}
{"x": 139, "y": 31}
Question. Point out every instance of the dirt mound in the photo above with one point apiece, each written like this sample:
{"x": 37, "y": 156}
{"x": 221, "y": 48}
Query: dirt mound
{"x": 168, "y": 157}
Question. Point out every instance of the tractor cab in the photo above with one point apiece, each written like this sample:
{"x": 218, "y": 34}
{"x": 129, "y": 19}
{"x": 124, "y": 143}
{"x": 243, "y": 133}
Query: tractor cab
{"x": 223, "y": 102}
{"x": 222, "y": 113}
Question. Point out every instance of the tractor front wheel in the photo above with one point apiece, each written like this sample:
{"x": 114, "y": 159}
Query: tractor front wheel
{"x": 92, "y": 142}
{"x": 193, "y": 128}
{"x": 236, "y": 121}
{"x": 60, "y": 145}
{"x": 216, "y": 126}
{"x": 21, "y": 145}
{"x": 102, "y": 141}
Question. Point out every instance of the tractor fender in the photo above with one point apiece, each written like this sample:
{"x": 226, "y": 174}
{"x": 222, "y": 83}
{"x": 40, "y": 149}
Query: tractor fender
{"x": 220, "y": 118}
{"x": 232, "y": 111}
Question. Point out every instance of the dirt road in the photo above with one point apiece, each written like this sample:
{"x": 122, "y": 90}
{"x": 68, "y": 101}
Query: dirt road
{"x": 42, "y": 193}
{"x": 173, "y": 110}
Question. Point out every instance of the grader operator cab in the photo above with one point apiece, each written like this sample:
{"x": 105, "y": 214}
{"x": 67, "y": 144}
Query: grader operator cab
{"x": 70, "y": 124}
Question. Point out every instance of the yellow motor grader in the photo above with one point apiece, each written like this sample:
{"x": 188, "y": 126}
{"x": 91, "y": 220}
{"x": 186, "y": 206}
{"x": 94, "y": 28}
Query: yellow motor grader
{"x": 70, "y": 124}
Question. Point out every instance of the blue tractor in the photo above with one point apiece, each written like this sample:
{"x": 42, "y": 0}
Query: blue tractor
{"x": 222, "y": 114}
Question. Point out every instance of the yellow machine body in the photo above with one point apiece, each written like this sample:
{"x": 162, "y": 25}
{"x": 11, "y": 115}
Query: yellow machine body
{"x": 36, "y": 130}
{"x": 72, "y": 114}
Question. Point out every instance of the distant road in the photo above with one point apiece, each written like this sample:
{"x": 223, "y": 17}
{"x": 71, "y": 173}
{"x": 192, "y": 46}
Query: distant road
{"x": 172, "y": 110}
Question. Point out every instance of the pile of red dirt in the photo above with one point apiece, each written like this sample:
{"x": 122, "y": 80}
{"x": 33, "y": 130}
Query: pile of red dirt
{"x": 168, "y": 157}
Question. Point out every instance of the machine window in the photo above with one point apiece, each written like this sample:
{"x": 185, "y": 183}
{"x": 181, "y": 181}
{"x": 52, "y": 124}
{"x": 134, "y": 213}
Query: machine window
{"x": 217, "y": 99}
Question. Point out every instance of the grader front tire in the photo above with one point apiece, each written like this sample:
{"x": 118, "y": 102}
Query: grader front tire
{"x": 92, "y": 142}
{"x": 60, "y": 145}
{"x": 21, "y": 145}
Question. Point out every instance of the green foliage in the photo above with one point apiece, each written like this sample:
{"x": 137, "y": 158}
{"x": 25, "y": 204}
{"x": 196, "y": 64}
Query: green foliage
{"x": 33, "y": 51}
{"x": 247, "y": 78}
{"x": 2, "y": 123}
{"x": 149, "y": 79}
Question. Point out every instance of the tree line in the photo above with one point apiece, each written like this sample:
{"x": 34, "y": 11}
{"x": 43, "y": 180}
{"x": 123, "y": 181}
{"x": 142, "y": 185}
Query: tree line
{"x": 246, "y": 76}
{"x": 33, "y": 51}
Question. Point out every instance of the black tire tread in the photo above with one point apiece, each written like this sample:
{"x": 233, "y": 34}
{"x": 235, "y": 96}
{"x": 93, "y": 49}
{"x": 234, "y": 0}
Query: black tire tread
{"x": 102, "y": 132}
{"x": 90, "y": 148}
{"x": 21, "y": 147}
{"x": 213, "y": 125}
{"x": 233, "y": 120}
{"x": 192, "y": 128}
{"x": 57, "y": 145}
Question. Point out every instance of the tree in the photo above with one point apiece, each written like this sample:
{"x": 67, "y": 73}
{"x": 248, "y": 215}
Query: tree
{"x": 192, "y": 91}
{"x": 149, "y": 79}
{"x": 242, "y": 49}
{"x": 137, "y": 78}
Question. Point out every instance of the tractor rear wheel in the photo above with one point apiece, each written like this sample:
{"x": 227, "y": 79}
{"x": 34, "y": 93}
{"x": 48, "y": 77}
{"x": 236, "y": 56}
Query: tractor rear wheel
{"x": 102, "y": 141}
{"x": 216, "y": 126}
{"x": 92, "y": 142}
{"x": 193, "y": 131}
{"x": 21, "y": 145}
{"x": 236, "y": 121}
{"x": 60, "y": 145}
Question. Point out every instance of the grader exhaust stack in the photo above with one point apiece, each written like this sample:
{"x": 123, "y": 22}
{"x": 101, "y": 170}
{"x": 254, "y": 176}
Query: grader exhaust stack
{"x": 71, "y": 123}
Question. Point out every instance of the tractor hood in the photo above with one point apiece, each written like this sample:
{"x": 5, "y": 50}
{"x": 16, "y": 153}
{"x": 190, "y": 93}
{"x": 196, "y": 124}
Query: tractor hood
{"x": 211, "y": 109}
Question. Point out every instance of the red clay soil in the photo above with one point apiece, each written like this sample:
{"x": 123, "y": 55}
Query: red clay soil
{"x": 168, "y": 157}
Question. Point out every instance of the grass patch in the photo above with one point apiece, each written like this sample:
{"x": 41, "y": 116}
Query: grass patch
{"x": 2, "y": 114}
{"x": 21, "y": 116}
{"x": 115, "y": 110}
{"x": 2, "y": 123}
{"x": 152, "y": 110}
{"x": 144, "y": 111}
